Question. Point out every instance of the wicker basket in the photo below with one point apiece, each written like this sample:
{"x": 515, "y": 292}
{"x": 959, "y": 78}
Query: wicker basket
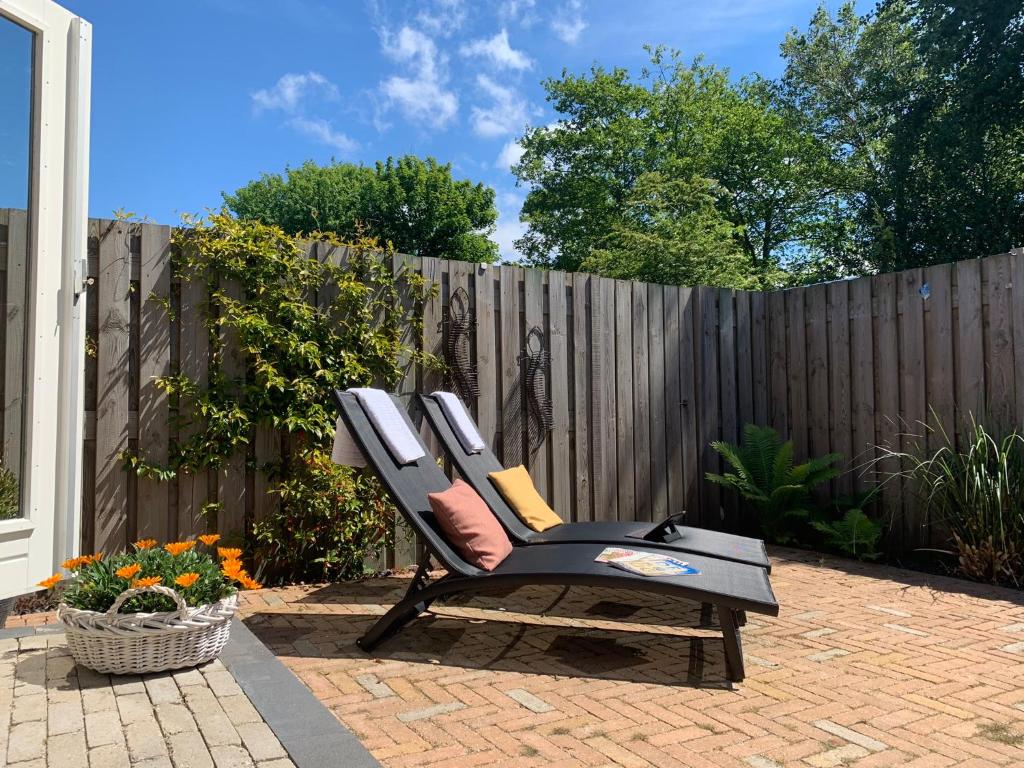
{"x": 136, "y": 643}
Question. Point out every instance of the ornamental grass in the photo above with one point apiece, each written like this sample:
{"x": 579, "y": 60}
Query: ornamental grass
{"x": 190, "y": 567}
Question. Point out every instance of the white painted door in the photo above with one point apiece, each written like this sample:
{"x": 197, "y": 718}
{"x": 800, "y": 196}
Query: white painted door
{"x": 44, "y": 128}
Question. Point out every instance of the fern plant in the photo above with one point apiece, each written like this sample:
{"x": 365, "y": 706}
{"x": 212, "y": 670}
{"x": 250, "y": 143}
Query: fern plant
{"x": 854, "y": 534}
{"x": 764, "y": 474}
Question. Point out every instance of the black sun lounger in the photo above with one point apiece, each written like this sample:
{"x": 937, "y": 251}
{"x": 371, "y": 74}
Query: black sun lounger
{"x": 667, "y": 535}
{"x": 733, "y": 588}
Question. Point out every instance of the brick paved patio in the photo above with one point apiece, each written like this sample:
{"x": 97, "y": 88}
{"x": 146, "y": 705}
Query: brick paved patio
{"x": 54, "y": 714}
{"x": 867, "y": 665}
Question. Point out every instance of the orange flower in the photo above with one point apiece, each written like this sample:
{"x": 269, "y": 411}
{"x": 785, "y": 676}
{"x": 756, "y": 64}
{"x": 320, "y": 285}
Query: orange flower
{"x": 75, "y": 563}
{"x": 128, "y": 571}
{"x": 186, "y": 580}
{"x": 210, "y": 539}
{"x": 148, "y": 581}
{"x": 177, "y": 547}
{"x": 248, "y": 583}
{"x": 145, "y": 544}
{"x": 231, "y": 568}
{"x": 95, "y": 558}
{"x": 51, "y": 582}
{"x": 229, "y": 554}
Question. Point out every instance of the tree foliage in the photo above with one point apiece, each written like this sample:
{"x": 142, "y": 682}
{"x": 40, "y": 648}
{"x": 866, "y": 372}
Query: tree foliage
{"x": 416, "y": 205}
{"x": 891, "y": 140}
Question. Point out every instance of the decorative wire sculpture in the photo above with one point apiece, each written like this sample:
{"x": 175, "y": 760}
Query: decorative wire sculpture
{"x": 538, "y": 403}
{"x": 457, "y": 324}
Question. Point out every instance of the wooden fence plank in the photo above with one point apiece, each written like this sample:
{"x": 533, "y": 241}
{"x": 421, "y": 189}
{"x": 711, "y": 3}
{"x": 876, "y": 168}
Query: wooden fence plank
{"x": 113, "y": 367}
{"x": 778, "y": 364}
{"x": 561, "y": 459}
{"x": 796, "y": 365}
{"x": 1017, "y": 276}
{"x": 706, "y": 318}
{"x": 938, "y": 356}
{"x": 727, "y": 391}
{"x": 999, "y": 394}
{"x": 841, "y": 422}
{"x": 583, "y": 504}
{"x": 641, "y": 404}
{"x": 887, "y": 403}
{"x": 817, "y": 373}
{"x": 913, "y": 404}
{"x": 688, "y": 357}
{"x": 759, "y": 356}
{"x": 970, "y": 370}
{"x": 656, "y": 356}
{"x": 154, "y": 517}
{"x": 673, "y": 415}
{"x": 862, "y": 380}
{"x": 625, "y": 460}
{"x": 486, "y": 354}
{"x": 537, "y": 438}
{"x": 744, "y": 359}
{"x": 511, "y": 379}
{"x": 431, "y": 377}
{"x": 602, "y": 366}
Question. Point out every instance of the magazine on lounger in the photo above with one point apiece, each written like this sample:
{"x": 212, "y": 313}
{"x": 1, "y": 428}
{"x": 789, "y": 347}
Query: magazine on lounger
{"x": 645, "y": 563}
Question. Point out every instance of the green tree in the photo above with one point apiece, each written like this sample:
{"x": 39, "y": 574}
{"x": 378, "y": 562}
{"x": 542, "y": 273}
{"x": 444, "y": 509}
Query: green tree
{"x": 681, "y": 122}
{"x": 670, "y": 231}
{"x": 919, "y": 107}
{"x": 415, "y": 204}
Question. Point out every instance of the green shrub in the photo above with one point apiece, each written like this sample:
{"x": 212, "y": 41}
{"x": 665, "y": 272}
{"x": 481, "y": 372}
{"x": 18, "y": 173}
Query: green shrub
{"x": 10, "y": 504}
{"x": 854, "y": 534}
{"x": 304, "y": 327}
{"x": 764, "y": 475}
{"x": 976, "y": 493}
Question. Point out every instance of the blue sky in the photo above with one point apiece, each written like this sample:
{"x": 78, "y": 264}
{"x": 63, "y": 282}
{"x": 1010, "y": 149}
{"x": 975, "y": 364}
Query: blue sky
{"x": 193, "y": 98}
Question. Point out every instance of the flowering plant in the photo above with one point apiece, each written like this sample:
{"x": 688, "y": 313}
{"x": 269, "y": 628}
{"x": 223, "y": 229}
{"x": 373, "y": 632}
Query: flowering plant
{"x": 193, "y": 571}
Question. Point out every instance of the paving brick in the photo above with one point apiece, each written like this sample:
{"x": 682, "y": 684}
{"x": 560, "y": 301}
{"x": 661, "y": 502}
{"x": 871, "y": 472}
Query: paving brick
{"x": 215, "y": 725}
{"x": 145, "y": 740}
{"x": 27, "y": 741}
{"x": 239, "y": 709}
{"x": 68, "y": 750}
{"x": 162, "y": 689}
{"x": 175, "y": 718}
{"x": 188, "y": 750}
{"x": 102, "y": 728}
{"x": 260, "y": 741}
{"x": 231, "y": 757}
{"x": 64, "y": 717}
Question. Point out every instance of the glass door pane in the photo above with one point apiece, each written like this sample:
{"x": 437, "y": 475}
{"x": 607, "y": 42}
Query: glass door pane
{"x": 16, "y": 84}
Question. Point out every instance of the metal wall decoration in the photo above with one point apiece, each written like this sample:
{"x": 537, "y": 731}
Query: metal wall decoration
{"x": 457, "y": 326}
{"x": 538, "y": 402}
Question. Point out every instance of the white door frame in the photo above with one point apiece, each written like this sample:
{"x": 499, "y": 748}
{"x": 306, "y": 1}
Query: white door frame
{"x": 48, "y": 532}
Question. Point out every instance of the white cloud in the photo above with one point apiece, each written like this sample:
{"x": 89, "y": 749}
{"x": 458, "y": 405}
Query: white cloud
{"x": 422, "y": 96}
{"x": 498, "y": 51}
{"x": 510, "y": 154}
{"x": 507, "y": 113}
{"x": 443, "y": 17}
{"x": 518, "y": 10}
{"x": 568, "y": 23}
{"x": 320, "y": 130}
{"x": 288, "y": 93}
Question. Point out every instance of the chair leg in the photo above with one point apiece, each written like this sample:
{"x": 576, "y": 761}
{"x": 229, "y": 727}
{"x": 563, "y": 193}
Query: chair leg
{"x": 407, "y": 609}
{"x": 728, "y": 620}
{"x": 705, "y": 614}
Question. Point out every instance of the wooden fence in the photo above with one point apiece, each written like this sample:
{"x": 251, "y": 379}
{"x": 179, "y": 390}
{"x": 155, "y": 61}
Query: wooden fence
{"x": 641, "y": 379}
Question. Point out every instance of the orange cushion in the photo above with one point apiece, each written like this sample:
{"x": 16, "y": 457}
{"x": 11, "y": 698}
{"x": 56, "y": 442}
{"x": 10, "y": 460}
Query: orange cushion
{"x": 470, "y": 526}
{"x": 520, "y": 493}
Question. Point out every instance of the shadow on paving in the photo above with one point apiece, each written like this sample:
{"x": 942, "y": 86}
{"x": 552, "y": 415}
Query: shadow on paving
{"x": 495, "y": 643}
{"x": 539, "y": 600}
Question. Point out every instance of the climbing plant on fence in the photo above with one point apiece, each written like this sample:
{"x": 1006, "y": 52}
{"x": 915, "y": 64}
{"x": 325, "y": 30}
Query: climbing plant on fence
{"x": 285, "y": 330}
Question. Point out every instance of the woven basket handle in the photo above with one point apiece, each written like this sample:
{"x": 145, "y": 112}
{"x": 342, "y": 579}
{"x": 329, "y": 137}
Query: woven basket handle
{"x": 160, "y": 590}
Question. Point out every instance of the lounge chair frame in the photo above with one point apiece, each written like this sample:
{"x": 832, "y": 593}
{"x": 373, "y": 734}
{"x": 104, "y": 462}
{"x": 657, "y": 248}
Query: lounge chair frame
{"x": 742, "y": 587}
{"x": 669, "y": 534}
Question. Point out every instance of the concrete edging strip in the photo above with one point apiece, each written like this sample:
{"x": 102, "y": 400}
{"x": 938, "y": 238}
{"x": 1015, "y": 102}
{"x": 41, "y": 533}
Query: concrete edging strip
{"x": 312, "y": 736}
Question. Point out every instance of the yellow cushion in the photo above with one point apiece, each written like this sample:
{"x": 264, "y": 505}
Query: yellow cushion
{"x": 517, "y": 488}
